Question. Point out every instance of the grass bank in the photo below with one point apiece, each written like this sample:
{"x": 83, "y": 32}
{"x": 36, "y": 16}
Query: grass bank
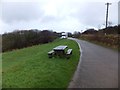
{"x": 31, "y": 68}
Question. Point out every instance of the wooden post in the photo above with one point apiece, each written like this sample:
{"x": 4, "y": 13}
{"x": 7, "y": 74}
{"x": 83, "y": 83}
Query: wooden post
{"x": 107, "y": 13}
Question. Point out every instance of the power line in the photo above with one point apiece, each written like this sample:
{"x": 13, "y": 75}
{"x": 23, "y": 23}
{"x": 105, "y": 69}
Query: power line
{"x": 107, "y": 13}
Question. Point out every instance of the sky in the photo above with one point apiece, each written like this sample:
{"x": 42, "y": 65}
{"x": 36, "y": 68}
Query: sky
{"x": 56, "y": 15}
{"x": 119, "y": 12}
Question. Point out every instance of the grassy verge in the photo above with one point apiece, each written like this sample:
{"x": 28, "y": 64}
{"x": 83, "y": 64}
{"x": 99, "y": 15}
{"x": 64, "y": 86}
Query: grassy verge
{"x": 31, "y": 67}
{"x": 0, "y": 71}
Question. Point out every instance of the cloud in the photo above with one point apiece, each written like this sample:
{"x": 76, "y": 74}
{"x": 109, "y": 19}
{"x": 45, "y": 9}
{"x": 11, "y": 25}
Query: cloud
{"x": 119, "y": 12}
{"x": 21, "y": 11}
{"x": 58, "y": 15}
{"x": 92, "y": 13}
{"x": 28, "y": 11}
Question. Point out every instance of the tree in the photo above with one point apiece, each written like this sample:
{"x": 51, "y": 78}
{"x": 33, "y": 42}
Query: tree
{"x": 19, "y": 39}
{"x": 76, "y": 34}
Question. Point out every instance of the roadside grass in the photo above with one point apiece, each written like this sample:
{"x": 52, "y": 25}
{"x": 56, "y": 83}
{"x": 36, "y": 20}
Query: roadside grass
{"x": 0, "y": 62}
{"x": 31, "y": 68}
{"x": 0, "y": 71}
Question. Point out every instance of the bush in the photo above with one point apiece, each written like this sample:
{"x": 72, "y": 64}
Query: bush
{"x": 109, "y": 40}
{"x": 25, "y": 38}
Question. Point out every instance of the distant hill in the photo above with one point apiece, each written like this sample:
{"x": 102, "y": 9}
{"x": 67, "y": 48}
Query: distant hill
{"x": 111, "y": 30}
{"x": 90, "y": 31}
{"x": 108, "y": 30}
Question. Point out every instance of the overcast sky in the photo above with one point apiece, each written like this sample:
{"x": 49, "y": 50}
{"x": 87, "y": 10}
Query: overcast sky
{"x": 56, "y": 15}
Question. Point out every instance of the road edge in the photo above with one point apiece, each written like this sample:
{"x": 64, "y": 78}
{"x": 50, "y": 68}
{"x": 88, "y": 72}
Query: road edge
{"x": 71, "y": 84}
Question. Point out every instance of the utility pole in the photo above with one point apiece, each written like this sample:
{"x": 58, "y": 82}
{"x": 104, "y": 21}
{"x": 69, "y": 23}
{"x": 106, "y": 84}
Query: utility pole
{"x": 107, "y": 13}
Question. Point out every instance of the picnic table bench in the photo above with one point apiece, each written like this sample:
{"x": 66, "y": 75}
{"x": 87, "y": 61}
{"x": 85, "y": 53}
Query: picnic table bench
{"x": 50, "y": 54}
{"x": 60, "y": 51}
{"x": 69, "y": 52}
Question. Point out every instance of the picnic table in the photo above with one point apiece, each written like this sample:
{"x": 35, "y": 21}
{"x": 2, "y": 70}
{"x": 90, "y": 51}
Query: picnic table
{"x": 60, "y": 51}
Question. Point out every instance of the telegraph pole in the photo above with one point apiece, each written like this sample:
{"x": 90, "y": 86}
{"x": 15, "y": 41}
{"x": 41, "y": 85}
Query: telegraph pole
{"x": 107, "y": 13}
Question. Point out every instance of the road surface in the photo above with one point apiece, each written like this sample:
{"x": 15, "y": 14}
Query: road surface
{"x": 97, "y": 68}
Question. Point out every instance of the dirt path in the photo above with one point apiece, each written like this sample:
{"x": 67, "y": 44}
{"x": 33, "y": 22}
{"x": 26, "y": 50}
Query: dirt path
{"x": 98, "y": 67}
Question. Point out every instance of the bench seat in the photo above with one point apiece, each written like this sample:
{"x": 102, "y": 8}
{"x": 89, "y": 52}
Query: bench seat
{"x": 50, "y": 54}
{"x": 69, "y": 52}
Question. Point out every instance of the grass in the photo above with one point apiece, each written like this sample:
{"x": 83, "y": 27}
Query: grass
{"x": 31, "y": 68}
{"x": 0, "y": 43}
{"x": 0, "y": 70}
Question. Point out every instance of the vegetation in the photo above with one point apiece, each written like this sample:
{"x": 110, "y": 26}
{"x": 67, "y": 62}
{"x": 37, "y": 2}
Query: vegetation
{"x": 108, "y": 37}
{"x": 104, "y": 40}
{"x": 90, "y": 31}
{"x": 25, "y": 38}
{"x": 110, "y": 30}
{"x": 0, "y": 62}
{"x": 0, "y": 43}
{"x": 76, "y": 34}
{"x": 31, "y": 68}
{"x": 105, "y": 31}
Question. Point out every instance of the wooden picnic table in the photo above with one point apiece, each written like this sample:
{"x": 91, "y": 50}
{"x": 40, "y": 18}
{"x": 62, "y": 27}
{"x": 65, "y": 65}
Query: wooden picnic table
{"x": 61, "y": 47}
{"x": 60, "y": 50}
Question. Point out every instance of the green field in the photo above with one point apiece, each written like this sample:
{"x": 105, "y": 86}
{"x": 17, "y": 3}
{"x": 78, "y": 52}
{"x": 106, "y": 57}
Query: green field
{"x": 31, "y": 68}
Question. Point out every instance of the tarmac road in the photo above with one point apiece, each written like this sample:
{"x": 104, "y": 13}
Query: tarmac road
{"x": 97, "y": 68}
